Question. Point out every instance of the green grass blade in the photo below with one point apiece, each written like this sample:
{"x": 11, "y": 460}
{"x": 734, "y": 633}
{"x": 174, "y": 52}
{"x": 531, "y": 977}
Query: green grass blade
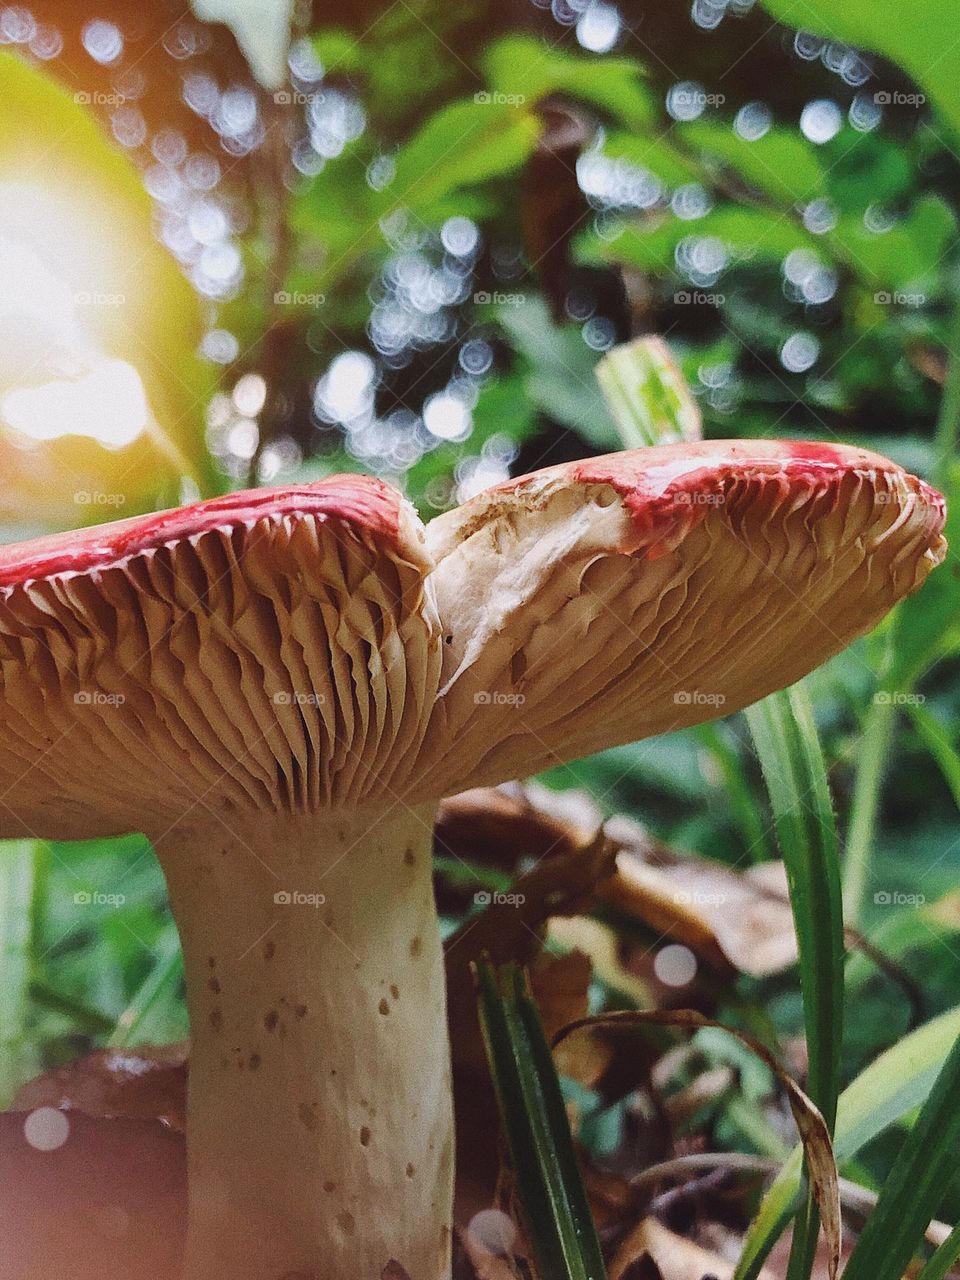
{"x": 940, "y": 1262}
{"x": 786, "y": 740}
{"x": 20, "y": 873}
{"x": 154, "y": 1005}
{"x": 789, "y": 749}
{"x": 555, "y": 1208}
{"x": 914, "y": 1187}
{"x": 894, "y": 1084}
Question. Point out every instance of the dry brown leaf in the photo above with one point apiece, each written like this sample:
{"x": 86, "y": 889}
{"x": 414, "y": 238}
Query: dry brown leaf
{"x": 726, "y": 917}
{"x": 145, "y": 1083}
{"x": 675, "y": 1257}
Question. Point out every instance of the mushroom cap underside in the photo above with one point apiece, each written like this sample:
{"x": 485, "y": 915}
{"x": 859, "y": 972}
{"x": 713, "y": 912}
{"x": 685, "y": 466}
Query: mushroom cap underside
{"x": 314, "y": 647}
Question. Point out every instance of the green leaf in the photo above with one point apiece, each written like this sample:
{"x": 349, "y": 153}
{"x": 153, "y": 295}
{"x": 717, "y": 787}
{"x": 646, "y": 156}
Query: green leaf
{"x": 555, "y": 1208}
{"x": 464, "y": 143}
{"x": 892, "y": 1086}
{"x": 906, "y": 257}
{"x": 781, "y": 164}
{"x": 915, "y": 1185}
{"x": 918, "y": 39}
{"x": 560, "y": 377}
{"x": 529, "y": 69}
{"x": 20, "y": 874}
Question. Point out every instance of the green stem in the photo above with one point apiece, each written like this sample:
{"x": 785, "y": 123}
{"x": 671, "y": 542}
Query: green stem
{"x": 865, "y": 805}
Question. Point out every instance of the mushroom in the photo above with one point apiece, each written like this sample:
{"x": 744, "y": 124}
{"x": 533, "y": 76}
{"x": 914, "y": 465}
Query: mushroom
{"x": 278, "y": 686}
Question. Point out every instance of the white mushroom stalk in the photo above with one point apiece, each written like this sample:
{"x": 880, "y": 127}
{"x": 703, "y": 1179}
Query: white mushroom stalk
{"x": 277, "y": 687}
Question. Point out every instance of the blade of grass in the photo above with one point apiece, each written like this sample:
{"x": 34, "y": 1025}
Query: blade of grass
{"x": 915, "y": 1185}
{"x": 893, "y": 1085}
{"x": 555, "y": 1208}
{"x": 20, "y": 871}
{"x": 156, "y": 994}
{"x": 84, "y": 1017}
{"x": 787, "y": 744}
{"x": 940, "y": 1262}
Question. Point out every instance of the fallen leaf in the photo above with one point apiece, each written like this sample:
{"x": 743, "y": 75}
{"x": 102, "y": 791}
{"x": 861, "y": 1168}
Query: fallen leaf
{"x": 146, "y": 1083}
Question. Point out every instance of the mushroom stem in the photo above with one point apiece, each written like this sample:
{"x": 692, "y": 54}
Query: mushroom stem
{"x": 319, "y": 1130}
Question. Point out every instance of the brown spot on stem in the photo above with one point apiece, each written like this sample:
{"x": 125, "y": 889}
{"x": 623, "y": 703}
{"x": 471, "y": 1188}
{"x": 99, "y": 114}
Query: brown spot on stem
{"x": 346, "y": 1223}
{"x": 269, "y": 950}
{"x": 395, "y": 991}
{"x": 212, "y": 961}
{"x": 384, "y": 1008}
{"x": 214, "y": 985}
{"x": 410, "y": 1171}
{"x": 307, "y": 1117}
{"x": 329, "y": 1186}
{"x": 216, "y": 1019}
{"x": 254, "y": 1061}
{"x": 271, "y": 1019}
{"x": 301, "y": 1011}
{"x": 416, "y": 947}
{"x": 410, "y": 858}
{"x": 364, "y": 1137}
